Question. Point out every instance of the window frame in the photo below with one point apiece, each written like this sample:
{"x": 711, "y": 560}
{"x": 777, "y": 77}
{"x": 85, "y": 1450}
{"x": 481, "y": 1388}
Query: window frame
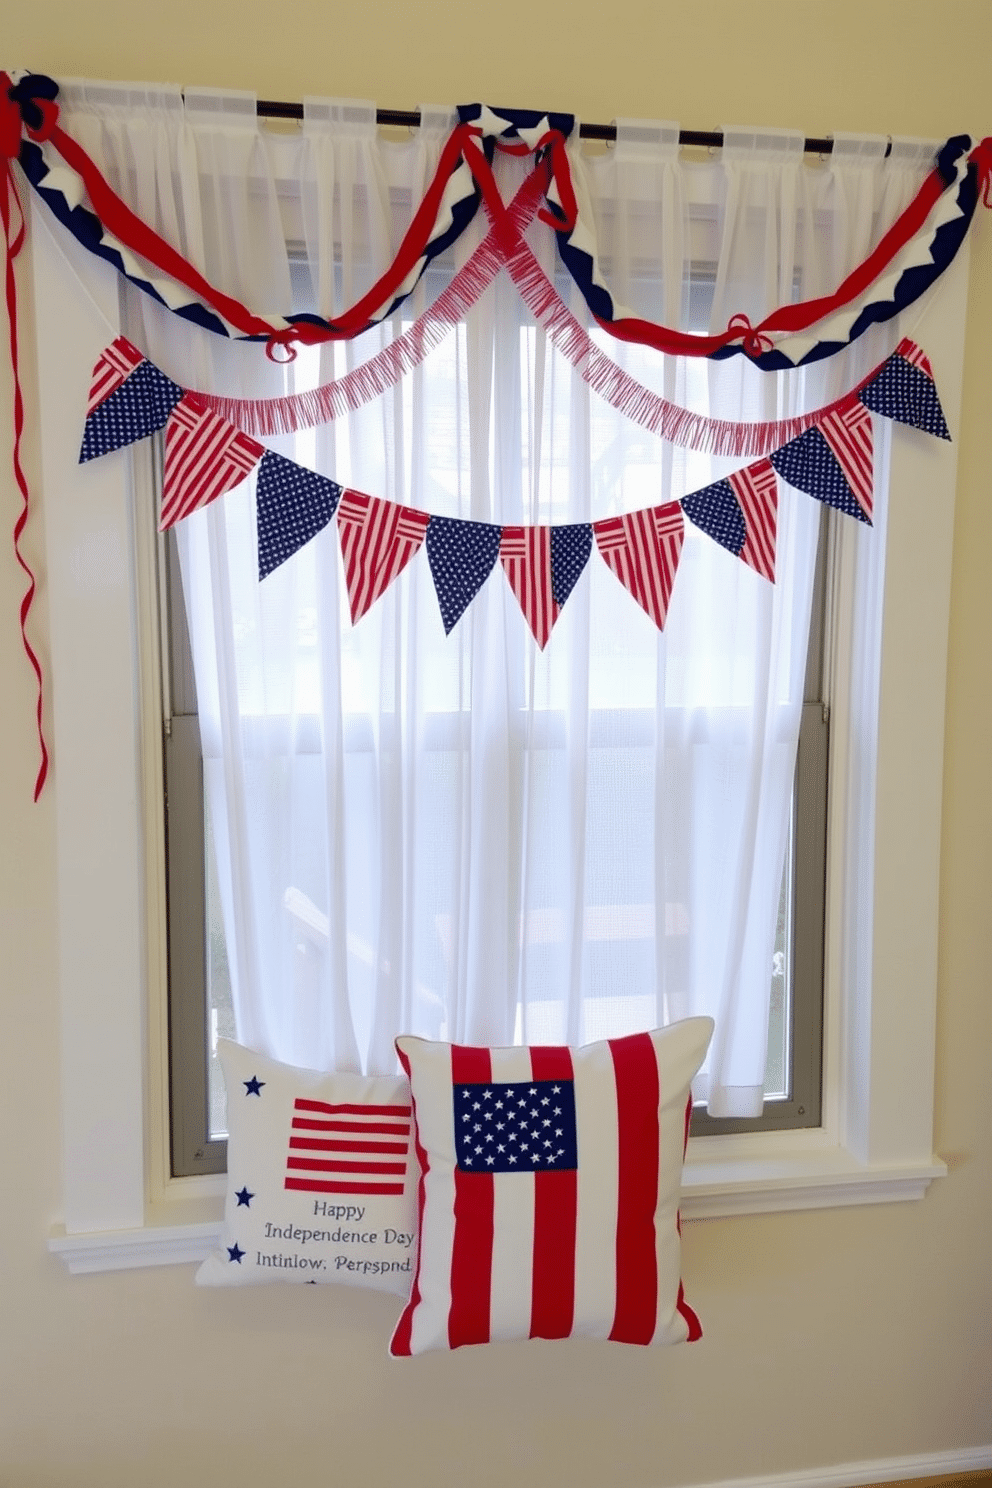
{"x": 120, "y": 1208}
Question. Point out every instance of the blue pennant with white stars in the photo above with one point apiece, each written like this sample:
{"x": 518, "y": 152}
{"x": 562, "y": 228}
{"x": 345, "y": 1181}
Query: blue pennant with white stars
{"x": 905, "y": 393}
{"x": 462, "y": 555}
{"x": 526, "y": 1126}
{"x": 809, "y": 464}
{"x": 570, "y": 550}
{"x": 293, "y": 504}
{"x": 139, "y": 407}
{"x": 716, "y": 511}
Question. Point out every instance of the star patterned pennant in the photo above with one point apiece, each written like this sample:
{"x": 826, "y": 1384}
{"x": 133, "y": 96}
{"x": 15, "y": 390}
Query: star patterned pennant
{"x": 293, "y": 505}
{"x": 378, "y": 539}
{"x": 643, "y": 551}
{"x": 205, "y": 457}
{"x": 809, "y": 464}
{"x": 462, "y": 555}
{"x": 125, "y": 408}
{"x": 904, "y": 389}
{"x": 570, "y": 549}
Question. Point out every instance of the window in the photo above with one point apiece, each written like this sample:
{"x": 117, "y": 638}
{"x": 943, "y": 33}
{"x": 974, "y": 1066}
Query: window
{"x": 875, "y": 1139}
{"x": 200, "y": 999}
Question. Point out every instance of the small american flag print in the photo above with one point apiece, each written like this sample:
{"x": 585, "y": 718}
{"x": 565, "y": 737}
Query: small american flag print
{"x": 348, "y": 1149}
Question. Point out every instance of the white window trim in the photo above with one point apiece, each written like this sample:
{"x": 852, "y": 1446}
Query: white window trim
{"x": 120, "y": 1208}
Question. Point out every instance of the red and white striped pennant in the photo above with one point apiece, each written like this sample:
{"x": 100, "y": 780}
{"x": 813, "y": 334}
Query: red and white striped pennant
{"x": 643, "y": 551}
{"x": 915, "y": 356}
{"x": 378, "y": 539}
{"x": 848, "y": 431}
{"x": 756, "y": 489}
{"x": 114, "y": 366}
{"x": 525, "y": 553}
{"x": 205, "y": 457}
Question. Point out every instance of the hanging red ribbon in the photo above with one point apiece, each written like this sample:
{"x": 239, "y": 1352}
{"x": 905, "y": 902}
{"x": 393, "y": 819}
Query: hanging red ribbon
{"x": 10, "y": 208}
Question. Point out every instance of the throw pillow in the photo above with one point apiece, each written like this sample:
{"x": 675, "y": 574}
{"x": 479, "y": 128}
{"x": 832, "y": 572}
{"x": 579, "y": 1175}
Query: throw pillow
{"x": 549, "y": 1190}
{"x": 320, "y": 1177}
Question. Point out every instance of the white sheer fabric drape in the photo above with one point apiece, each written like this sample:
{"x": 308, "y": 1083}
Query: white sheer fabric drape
{"x": 465, "y": 837}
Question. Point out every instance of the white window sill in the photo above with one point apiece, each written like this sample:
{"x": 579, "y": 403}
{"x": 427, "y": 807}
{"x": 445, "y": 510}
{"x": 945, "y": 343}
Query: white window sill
{"x": 763, "y": 1176}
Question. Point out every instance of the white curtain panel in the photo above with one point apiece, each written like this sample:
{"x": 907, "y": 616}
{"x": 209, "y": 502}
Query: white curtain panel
{"x": 464, "y": 837}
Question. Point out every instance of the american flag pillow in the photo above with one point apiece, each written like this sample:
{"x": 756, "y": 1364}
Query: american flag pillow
{"x": 320, "y": 1177}
{"x": 549, "y": 1190}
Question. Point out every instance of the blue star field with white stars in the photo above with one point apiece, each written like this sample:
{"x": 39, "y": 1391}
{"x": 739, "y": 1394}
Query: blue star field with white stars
{"x": 523, "y": 1127}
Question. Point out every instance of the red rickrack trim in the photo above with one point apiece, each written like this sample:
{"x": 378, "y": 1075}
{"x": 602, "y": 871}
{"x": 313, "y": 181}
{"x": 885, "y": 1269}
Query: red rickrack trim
{"x": 10, "y": 140}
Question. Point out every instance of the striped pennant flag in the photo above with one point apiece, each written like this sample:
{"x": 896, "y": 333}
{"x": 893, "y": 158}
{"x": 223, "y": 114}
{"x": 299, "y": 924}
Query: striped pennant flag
{"x": 525, "y": 553}
{"x": 205, "y": 457}
{"x": 756, "y": 489}
{"x": 643, "y": 551}
{"x": 378, "y": 539}
{"x": 848, "y": 431}
{"x": 904, "y": 390}
{"x": 113, "y": 366}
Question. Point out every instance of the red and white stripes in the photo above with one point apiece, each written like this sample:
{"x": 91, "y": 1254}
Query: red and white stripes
{"x": 525, "y": 553}
{"x": 756, "y": 489}
{"x": 378, "y": 539}
{"x": 204, "y": 458}
{"x": 114, "y": 366}
{"x": 848, "y": 432}
{"x": 643, "y": 551}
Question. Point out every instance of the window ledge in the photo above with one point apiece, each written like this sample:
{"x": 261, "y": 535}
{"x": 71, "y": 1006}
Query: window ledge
{"x": 713, "y": 1187}
{"x": 716, "y": 1184}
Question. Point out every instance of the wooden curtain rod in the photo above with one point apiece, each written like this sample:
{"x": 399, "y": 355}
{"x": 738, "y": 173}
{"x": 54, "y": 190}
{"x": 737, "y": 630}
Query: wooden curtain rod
{"x": 269, "y": 108}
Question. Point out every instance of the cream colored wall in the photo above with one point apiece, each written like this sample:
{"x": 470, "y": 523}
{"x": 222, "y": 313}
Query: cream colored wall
{"x": 830, "y": 1337}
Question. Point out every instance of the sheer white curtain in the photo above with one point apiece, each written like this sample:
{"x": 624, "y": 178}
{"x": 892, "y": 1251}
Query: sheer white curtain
{"x": 466, "y": 837}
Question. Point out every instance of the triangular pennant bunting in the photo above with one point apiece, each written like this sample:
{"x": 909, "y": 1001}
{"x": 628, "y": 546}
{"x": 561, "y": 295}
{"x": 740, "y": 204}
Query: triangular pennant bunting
{"x": 293, "y": 504}
{"x": 129, "y": 410}
{"x": 809, "y": 464}
{"x": 378, "y": 539}
{"x": 716, "y": 511}
{"x": 462, "y": 555}
{"x": 205, "y": 457}
{"x": 643, "y": 551}
{"x": 904, "y": 390}
{"x": 848, "y": 431}
{"x": 570, "y": 549}
{"x": 525, "y": 553}
{"x": 756, "y": 489}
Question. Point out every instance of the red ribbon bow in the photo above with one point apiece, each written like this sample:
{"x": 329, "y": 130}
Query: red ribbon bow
{"x": 755, "y": 342}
